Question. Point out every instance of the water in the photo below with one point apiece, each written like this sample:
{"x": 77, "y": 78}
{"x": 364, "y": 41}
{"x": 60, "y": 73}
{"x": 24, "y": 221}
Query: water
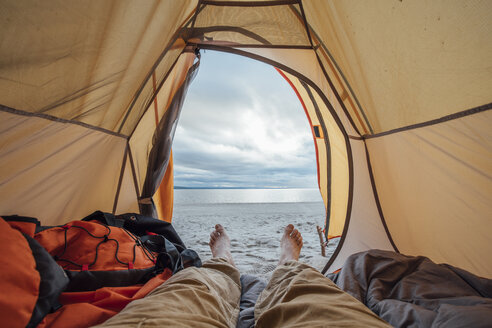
{"x": 254, "y": 219}
{"x": 234, "y": 196}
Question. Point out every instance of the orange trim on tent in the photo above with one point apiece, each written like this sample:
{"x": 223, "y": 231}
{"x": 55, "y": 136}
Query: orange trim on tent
{"x": 333, "y": 237}
{"x": 308, "y": 117}
{"x": 164, "y": 196}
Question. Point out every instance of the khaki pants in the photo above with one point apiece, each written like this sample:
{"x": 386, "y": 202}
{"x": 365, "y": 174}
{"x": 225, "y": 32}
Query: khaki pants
{"x": 296, "y": 296}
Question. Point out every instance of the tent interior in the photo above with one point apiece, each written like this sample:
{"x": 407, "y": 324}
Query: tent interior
{"x": 397, "y": 93}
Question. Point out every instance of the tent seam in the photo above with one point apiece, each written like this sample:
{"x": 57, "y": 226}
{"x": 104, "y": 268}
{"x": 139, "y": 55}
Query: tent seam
{"x": 132, "y": 56}
{"x": 443, "y": 119}
{"x": 306, "y": 24}
{"x": 120, "y": 180}
{"x": 199, "y": 7}
{"x": 249, "y": 3}
{"x": 272, "y": 46}
{"x": 335, "y": 92}
{"x": 330, "y": 83}
{"x": 339, "y": 72}
{"x": 149, "y": 74}
{"x": 222, "y": 28}
{"x": 154, "y": 95}
{"x": 60, "y": 120}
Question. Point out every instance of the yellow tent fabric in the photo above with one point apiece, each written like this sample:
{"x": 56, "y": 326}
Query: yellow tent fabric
{"x": 399, "y": 91}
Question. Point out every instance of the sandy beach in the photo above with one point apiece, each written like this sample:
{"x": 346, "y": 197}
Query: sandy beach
{"x": 255, "y": 230}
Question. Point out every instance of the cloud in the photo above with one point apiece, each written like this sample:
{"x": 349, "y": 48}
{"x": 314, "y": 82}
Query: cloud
{"x": 242, "y": 126}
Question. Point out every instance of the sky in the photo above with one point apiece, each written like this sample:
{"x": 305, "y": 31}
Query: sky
{"x": 242, "y": 126}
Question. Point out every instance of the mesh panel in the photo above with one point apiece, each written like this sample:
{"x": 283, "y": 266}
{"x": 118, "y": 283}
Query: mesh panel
{"x": 275, "y": 25}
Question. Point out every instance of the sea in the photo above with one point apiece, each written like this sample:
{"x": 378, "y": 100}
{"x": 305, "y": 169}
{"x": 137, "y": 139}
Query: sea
{"x": 255, "y": 220}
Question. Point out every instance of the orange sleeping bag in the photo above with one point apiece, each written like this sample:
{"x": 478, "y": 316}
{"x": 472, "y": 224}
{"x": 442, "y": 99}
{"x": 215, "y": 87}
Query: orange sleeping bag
{"x": 82, "y": 273}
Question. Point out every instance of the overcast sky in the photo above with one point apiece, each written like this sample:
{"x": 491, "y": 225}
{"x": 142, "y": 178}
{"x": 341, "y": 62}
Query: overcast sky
{"x": 242, "y": 126}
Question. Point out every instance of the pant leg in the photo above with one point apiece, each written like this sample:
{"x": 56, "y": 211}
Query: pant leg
{"x": 300, "y": 296}
{"x": 194, "y": 297}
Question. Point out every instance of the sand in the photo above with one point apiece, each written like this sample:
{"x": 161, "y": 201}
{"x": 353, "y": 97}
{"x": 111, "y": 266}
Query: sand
{"x": 255, "y": 230}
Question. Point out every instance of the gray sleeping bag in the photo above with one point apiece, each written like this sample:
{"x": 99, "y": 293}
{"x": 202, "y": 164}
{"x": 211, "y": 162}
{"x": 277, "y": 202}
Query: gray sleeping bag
{"x": 409, "y": 291}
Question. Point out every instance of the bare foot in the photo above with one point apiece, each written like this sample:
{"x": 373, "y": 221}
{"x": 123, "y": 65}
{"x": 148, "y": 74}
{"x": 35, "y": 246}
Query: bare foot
{"x": 290, "y": 245}
{"x": 220, "y": 244}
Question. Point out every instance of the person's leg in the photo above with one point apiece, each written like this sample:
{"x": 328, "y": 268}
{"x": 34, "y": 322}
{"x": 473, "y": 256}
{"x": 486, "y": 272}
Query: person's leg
{"x": 300, "y": 296}
{"x": 194, "y": 297}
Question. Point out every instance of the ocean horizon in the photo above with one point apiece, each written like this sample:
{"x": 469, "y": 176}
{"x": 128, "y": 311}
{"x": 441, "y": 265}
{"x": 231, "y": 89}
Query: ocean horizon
{"x": 212, "y": 187}
{"x": 246, "y": 195}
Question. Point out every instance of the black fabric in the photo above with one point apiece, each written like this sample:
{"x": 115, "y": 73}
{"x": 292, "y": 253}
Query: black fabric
{"x": 53, "y": 282}
{"x": 139, "y": 225}
{"x": 409, "y": 291}
{"x": 43, "y": 228}
{"x": 21, "y": 219}
{"x": 82, "y": 281}
{"x": 190, "y": 258}
{"x": 106, "y": 218}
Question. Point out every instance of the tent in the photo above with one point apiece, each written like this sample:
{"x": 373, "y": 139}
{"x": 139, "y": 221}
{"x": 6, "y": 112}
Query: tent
{"x": 398, "y": 95}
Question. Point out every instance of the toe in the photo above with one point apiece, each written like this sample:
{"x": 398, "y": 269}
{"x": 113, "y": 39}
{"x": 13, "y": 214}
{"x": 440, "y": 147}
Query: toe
{"x": 289, "y": 228}
{"x": 219, "y": 228}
